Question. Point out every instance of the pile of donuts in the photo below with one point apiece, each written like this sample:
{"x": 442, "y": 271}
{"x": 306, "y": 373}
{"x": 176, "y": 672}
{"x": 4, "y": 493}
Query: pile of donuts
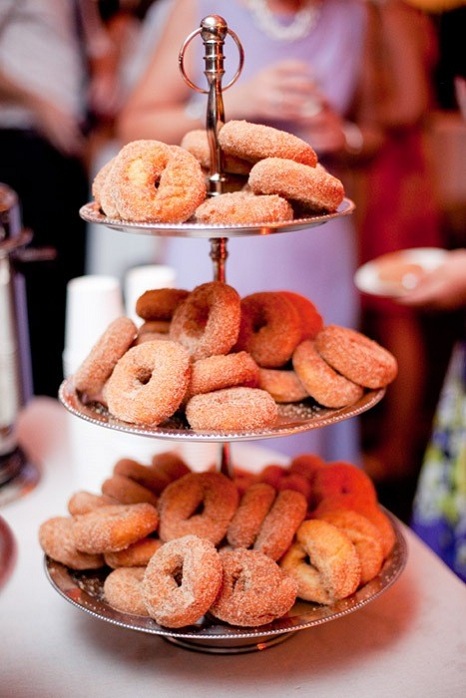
{"x": 223, "y": 363}
{"x": 174, "y": 544}
{"x": 277, "y": 177}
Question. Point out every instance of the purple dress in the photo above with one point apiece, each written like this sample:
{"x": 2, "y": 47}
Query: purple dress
{"x": 318, "y": 263}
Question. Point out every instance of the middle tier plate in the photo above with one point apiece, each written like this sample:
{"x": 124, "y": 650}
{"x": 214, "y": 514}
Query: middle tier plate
{"x": 292, "y": 419}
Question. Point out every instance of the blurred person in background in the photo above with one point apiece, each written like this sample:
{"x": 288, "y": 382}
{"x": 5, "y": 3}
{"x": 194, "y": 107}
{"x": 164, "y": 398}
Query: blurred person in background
{"x": 56, "y": 79}
{"x": 397, "y": 209}
{"x": 439, "y": 509}
{"x": 303, "y": 62}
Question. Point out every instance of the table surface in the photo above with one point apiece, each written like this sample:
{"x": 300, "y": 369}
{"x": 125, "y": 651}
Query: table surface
{"x": 410, "y": 641}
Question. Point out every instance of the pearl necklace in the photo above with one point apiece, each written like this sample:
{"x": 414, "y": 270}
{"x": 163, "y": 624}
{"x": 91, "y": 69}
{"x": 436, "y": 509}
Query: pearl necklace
{"x": 303, "y": 23}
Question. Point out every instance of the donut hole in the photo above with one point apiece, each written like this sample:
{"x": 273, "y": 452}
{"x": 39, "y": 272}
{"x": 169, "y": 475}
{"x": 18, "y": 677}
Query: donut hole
{"x": 199, "y": 509}
{"x": 177, "y": 574}
{"x": 144, "y": 375}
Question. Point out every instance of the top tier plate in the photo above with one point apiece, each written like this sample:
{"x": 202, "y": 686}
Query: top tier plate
{"x": 90, "y": 212}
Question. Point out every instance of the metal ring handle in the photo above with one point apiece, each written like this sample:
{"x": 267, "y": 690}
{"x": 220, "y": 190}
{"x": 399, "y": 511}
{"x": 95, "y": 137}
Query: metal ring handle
{"x": 188, "y": 40}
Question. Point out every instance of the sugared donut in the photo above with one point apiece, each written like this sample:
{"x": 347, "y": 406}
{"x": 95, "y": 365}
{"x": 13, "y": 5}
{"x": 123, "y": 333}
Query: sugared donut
{"x": 345, "y": 479}
{"x": 201, "y": 504}
{"x": 123, "y": 590}
{"x": 323, "y": 561}
{"x": 56, "y": 539}
{"x": 282, "y": 384}
{"x": 311, "y": 320}
{"x": 270, "y": 328}
{"x": 136, "y": 555}
{"x": 254, "y": 589}
{"x": 207, "y": 322}
{"x": 254, "y": 142}
{"x": 281, "y": 523}
{"x": 232, "y": 409}
{"x": 196, "y": 141}
{"x": 155, "y": 182}
{"x": 306, "y": 464}
{"x": 312, "y": 187}
{"x": 97, "y": 367}
{"x": 223, "y": 371}
{"x": 112, "y": 528}
{"x": 250, "y": 514}
{"x": 365, "y": 537}
{"x": 244, "y": 208}
{"x": 82, "y": 501}
{"x": 148, "y": 383}
{"x": 148, "y": 476}
{"x": 160, "y": 303}
{"x": 169, "y": 465}
{"x": 356, "y": 357}
{"x": 126, "y": 491}
{"x": 103, "y": 192}
{"x": 321, "y": 381}
{"x": 182, "y": 580}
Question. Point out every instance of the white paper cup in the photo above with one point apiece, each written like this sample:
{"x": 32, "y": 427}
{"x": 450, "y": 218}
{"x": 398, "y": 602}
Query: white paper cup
{"x": 92, "y": 303}
{"x": 144, "y": 278}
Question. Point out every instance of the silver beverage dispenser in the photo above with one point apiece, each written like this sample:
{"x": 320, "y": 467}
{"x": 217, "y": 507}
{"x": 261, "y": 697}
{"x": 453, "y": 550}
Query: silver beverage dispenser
{"x": 15, "y": 364}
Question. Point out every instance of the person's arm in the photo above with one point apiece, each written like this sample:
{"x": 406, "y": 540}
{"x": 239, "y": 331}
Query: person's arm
{"x": 156, "y": 108}
{"x": 59, "y": 127}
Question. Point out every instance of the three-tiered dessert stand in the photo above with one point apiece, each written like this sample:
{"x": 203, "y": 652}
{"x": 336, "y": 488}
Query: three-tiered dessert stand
{"x": 85, "y": 589}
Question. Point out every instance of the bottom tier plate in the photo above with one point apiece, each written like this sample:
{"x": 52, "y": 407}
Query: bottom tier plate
{"x": 85, "y": 590}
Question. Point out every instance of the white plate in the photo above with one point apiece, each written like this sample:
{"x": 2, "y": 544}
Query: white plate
{"x": 367, "y": 277}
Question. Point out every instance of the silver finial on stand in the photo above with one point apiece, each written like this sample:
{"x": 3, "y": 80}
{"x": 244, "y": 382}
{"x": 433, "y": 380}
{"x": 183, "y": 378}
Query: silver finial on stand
{"x": 213, "y": 31}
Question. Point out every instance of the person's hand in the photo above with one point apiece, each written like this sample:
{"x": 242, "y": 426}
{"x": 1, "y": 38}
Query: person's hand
{"x": 444, "y": 288}
{"x": 59, "y": 127}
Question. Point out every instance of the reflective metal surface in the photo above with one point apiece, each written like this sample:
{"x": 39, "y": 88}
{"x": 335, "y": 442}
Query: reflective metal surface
{"x": 91, "y": 213}
{"x": 7, "y": 552}
{"x": 292, "y": 419}
{"x": 85, "y": 590}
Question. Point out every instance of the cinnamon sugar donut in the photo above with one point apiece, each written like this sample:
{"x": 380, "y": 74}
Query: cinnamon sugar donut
{"x": 149, "y": 476}
{"x": 281, "y": 523}
{"x": 306, "y": 464}
{"x": 196, "y": 141}
{"x": 270, "y": 328}
{"x": 254, "y": 590}
{"x": 244, "y": 208}
{"x": 126, "y": 491}
{"x": 97, "y": 367}
{"x": 112, "y": 528}
{"x": 250, "y": 514}
{"x": 102, "y": 191}
{"x": 223, "y": 371}
{"x": 232, "y": 409}
{"x": 56, "y": 539}
{"x": 155, "y": 182}
{"x": 148, "y": 383}
{"x": 182, "y": 581}
{"x": 356, "y": 357}
{"x": 82, "y": 501}
{"x": 170, "y": 465}
{"x": 323, "y": 561}
{"x": 137, "y": 554}
{"x": 207, "y": 322}
{"x": 342, "y": 478}
{"x": 253, "y": 142}
{"x": 365, "y": 537}
{"x": 312, "y": 187}
{"x": 160, "y": 303}
{"x": 282, "y": 384}
{"x": 123, "y": 590}
{"x": 201, "y": 504}
{"x": 311, "y": 320}
{"x": 321, "y": 381}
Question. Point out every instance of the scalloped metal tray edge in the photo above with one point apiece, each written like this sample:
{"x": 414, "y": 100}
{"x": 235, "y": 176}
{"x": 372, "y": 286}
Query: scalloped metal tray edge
{"x": 84, "y": 590}
{"x": 292, "y": 419}
{"x": 90, "y": 213}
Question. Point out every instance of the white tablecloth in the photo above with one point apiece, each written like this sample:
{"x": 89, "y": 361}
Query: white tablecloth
{"x": 411, "y": 641}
